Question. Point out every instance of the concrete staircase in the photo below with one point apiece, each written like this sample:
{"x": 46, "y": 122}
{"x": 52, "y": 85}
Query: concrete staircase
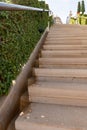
{"x": 59, "y": 95}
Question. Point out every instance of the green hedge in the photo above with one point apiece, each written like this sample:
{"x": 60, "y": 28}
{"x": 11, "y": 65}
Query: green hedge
{"x": 81, "y": 19}
{"x": 19, "y": 33}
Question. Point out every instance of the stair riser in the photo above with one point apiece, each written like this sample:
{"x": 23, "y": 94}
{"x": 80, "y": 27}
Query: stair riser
{"x": 62, "y": 66}
{"x": 61, "y": 35}
{"x": 79, "y": 63}
{"x": 59, "y": 42}
{"x": 61, "y": 73}
{"x": 50, "y": 92}
{"x": 56, "y": 79}
{"x": 64, "y": 47}
{"x": 59, "y": 101}
{"x": 57, "y": 34}
{"x": 66, "y": 38}
{"x": 62, "y": 55}
{"x": 58, "y": 96}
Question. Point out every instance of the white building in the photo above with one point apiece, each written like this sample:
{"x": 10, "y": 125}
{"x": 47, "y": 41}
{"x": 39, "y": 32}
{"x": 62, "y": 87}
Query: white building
{"x": 57, "y": 20}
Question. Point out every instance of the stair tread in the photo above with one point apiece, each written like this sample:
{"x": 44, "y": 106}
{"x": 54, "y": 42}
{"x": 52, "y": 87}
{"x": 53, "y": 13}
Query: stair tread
{"x": 69, "y": 63}
{"x": 63, "y": 61}
{"x": 64, "y": 53}
{"x": 65, "y": 38}
{"x": 80, "y": 73}
{"x": 58, "y": 93}
{"x": 66, "y": 42}
{"x": 60, "y": 85}
{"x": 52, "y": 117}
{"x": 64, "y": 47}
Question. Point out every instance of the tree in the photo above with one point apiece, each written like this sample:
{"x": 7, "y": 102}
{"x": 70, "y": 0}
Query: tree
{"x": 78, "y": 8}
{"x": 82, "y": 7}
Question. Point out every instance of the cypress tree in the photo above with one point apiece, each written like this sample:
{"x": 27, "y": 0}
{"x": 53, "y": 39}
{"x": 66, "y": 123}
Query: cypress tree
{"x": 78, "y": 8}
{"x": 83, "y": 7}
{"x": 86, "y": 21}
{"x": 80, "y": 20}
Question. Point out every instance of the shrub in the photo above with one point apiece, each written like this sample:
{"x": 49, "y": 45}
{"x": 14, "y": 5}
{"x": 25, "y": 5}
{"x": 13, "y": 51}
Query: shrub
{"x": 19, "y": 33}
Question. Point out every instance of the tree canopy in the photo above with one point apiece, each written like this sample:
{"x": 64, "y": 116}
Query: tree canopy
{"x": 81, "y": 7}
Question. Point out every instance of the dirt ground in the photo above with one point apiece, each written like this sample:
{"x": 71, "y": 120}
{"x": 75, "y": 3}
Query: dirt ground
{"x": 11, "y": 126}
{"x": 2, "y": 98}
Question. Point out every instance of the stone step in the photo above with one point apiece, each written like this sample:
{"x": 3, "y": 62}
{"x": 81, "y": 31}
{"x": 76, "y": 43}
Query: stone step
{"x": 62, "y": 29}
{"x": 65, "y": 47}
{"x": 66, "y": 42}
{"x": 65, "y": 38}
{"x": 60, "y": 73}
{"x": 69, "y": 30}
{"x": 61, "y": 79}
{"x": 63, "y": 63}
{"x": 59, "y": 93}
{"x": 64, "y": 53}
{"x": 60, "y": 35}
{"x": 72, "y": 27}
{"x": 52, "y": 117}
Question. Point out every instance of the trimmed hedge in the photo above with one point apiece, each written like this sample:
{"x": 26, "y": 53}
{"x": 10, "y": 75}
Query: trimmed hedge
{"x": 81, "y": 19}
{"x": 19, "y": 33}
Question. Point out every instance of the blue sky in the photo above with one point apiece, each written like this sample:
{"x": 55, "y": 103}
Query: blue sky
{"x": 62, "y": 8}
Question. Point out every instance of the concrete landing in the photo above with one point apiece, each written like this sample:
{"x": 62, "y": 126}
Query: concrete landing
{"x": 52, "y": 117}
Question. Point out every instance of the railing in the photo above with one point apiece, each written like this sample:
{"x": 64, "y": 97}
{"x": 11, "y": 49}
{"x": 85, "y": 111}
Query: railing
{"x": 15, "y": 7}
{"x": 11, "y": 104}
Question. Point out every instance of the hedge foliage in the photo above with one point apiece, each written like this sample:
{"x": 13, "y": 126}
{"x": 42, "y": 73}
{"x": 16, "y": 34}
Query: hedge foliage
{"x": 19, "y": 33}
{"x": 81, "y": 19}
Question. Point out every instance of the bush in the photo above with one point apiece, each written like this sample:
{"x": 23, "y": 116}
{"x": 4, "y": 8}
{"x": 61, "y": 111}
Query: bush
{"x": 81, "y": 19}
{"x": 19, "y": 33}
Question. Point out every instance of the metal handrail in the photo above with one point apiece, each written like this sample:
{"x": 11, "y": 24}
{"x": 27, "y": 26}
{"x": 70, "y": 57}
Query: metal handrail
{"x": 15, "y": 7}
